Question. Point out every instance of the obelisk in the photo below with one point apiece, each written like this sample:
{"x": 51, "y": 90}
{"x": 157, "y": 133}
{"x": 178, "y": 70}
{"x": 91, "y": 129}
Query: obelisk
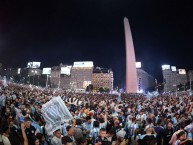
{"x": 131, "y": 72}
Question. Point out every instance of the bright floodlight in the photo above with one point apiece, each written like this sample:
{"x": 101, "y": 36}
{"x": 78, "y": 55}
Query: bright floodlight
{"x": 33, "y": 64}
{"x": 83, "y": 64}
{"x": 19, "y": 71}
{"x": 138, "y": 64}
{"x": 66, "y": 70}
{"x": 140, "y": 91}
{"x": 165, "y": 67}
{"x": 182, "y": 71}
{"x": 173, "y": 68}
{"x": 46, "y": 71}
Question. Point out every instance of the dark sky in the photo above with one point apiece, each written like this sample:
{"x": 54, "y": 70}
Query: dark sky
{"x": 92, "y": 30}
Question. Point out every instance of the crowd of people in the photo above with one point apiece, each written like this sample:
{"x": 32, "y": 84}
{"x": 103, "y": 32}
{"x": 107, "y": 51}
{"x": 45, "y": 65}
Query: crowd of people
{"x": 98, "y": 119}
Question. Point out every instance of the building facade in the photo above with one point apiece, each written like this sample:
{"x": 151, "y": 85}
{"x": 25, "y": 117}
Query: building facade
{"x": 170, "y": 80}
{"x": 173, "y": 78}
{"x": 102, "y": 78}
{"x": 144, "y": 80}
{"x": 59, "y": 80}
{"x": 81, "y": 75}
{"x": 190, "y": 75}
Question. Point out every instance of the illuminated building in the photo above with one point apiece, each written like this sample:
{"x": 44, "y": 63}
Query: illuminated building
{"x": 173, "y": 77}
{"x": 81, "y": 74}
{"x": 102, "y": 77}
{"x": 145, "y": 81}
{"x": 59, "y": 79}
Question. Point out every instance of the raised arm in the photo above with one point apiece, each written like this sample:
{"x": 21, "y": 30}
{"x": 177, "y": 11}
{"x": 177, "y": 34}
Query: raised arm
{"x": 24, "y": 134}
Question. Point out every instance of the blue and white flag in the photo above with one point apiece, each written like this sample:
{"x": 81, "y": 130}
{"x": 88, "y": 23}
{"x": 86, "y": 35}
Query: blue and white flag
{"x": 4, "y": 81}
{"x": 2, "y": 100}
{"x": 152, "y": 94}
{"x": 55, "y": 113}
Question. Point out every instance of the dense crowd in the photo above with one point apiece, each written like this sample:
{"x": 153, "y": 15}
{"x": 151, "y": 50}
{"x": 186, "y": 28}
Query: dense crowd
{"x": 98, "y": 119}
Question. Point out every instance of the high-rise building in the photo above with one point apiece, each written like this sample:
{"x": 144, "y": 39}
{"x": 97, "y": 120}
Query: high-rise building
{"x": 59, "y": 79}
{"x": 144, "y": 80}
{"x": 170, "y": 80}
{"x": 81, "y": 74}
{"x": 173, "y": 77}
{"x": 131, "y": 72}
{"x": 55, "y": 76}
{"x": 102, "y": 77}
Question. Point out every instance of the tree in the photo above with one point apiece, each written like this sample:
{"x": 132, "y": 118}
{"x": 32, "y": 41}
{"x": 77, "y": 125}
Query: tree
{"x": 101, "y": 89}
{"x": 87, "y": 89}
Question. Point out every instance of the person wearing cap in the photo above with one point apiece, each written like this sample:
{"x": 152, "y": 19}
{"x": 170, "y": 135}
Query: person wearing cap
{"x": 120, "y": 138}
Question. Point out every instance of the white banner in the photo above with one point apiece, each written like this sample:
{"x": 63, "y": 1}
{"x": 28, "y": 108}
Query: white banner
{"x": 83, "y": 64}
{"x": 66, "y": 70}
{"x": 33, "y": 64}
{"x": 152, "y": 94}
{"x": 55, "y": 113}
{"x": 165, "y": 67}
{"x": 46, "y": 71}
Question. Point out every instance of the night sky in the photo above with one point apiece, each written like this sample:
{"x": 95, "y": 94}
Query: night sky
{"x": 92, "y": 30}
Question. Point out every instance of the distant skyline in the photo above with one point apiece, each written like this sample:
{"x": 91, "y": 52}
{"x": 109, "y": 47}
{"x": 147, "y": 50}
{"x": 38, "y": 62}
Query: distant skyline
{"x": 64, "y": 31}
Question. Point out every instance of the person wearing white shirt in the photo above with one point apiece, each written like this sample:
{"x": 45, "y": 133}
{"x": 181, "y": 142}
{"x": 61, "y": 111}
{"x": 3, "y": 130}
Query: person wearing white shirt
{"x": 181, "y": 139}
{"x": 57, "y": 140}
{"x": 174, "y": 136}
{"x": 139, "y": 119}
{"x": 189, "y": 129}
{"x": 4, "y": 136}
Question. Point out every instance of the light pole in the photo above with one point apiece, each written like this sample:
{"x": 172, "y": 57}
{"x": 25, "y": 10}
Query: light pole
{"x": 59, "y": 81}
{"x": 34, "y": 73}
{"x": 47, "y": 81}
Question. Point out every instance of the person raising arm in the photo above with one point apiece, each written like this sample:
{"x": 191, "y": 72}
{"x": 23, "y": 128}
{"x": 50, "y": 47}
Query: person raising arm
{"x": 24, "y": 134}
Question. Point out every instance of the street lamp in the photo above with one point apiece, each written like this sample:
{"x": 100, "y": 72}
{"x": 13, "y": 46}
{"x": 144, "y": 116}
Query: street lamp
{"x": 59, "y": 81}
{"x": 29, "y": 78}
